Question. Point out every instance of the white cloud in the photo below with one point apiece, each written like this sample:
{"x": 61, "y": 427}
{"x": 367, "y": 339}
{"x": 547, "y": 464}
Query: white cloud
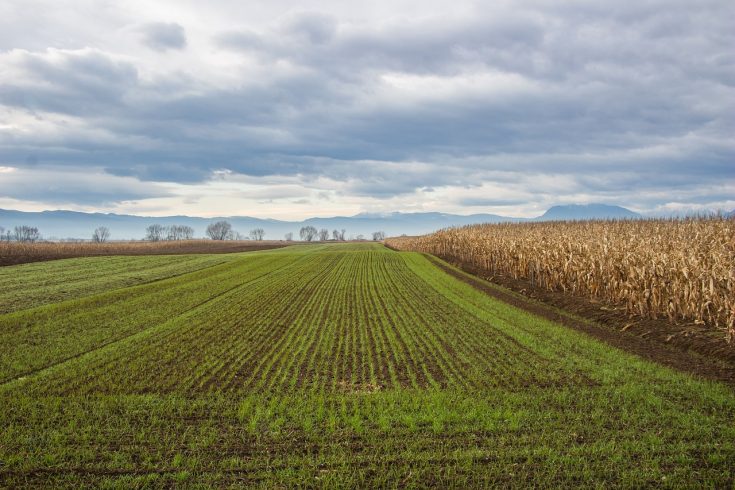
{"x": 366, "y": 106}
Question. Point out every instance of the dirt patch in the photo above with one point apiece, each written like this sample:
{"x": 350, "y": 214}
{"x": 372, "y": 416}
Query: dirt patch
{"x": 359, "y": 388}
{"x": 21, "y": 253}
{"x": 688, "y": 348}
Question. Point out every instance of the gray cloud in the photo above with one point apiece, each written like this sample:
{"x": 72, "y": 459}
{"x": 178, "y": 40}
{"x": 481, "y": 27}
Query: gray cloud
{"x": 83, "y": 82}
{"x": 489, "y": 201}
{"x": 162, "y": 36}
{"x": 80, "y": 186}
{"x": 621, "y": 98}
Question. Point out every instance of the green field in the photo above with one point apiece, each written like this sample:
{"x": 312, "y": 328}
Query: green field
{"x": 327, "y": 365}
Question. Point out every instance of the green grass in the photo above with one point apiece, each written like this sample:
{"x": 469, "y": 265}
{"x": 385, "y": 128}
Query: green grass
{"x": 41, "y": 283}
{"x": 344, "y": 365}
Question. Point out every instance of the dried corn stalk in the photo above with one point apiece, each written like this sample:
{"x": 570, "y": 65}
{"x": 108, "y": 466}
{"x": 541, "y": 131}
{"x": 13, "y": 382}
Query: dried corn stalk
{"x": 680, "y": 269}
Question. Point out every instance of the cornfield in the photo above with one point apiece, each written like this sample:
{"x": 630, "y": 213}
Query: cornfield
{"x": 680, "y": 269}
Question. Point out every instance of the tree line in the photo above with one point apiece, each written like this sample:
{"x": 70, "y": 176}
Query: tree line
{"x": 220, "y": 230}
{"x": 23, "y": 233}
{"x": 157, "y": 233}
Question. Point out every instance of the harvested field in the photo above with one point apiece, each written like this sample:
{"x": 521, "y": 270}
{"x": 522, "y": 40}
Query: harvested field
{"x": 328, "y": 365}
{"x": 12, "y": 253}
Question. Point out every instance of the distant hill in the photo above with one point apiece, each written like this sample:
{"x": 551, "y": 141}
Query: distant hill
{"x": 73, "y": 224}
{"x": 587, "y": 211}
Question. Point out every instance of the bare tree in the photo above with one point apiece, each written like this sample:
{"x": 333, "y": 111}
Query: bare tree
{"x": 155, "y": 232}
{"x": 257, "y": 234}
{"x": 323, "y": 235}
{"x": 186, "y": 232}
{"x": 378, "y": 236}
{"x": 221, "y": 230}
{"x": 308, "y": 233}
{"x": 173, "y": 232}
{"x": 288, "y": 236}
{"x": 101, "y": 234}
{"x": 25, "y": 233}
{"x": 339, "y": 235}
{"x": 360, "y": 237}
{"x": 180, "y": 232}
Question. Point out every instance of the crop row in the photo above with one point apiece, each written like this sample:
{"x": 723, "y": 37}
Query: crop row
{"x": 31, "y": 285}
{"x": 338, "y": 321}
{"x": 683, "y": 270}
{"x": 39, "y": 337}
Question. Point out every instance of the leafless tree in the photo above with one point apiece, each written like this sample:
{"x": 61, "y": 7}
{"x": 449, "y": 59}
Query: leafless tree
{"x": 186, "y": 232}
{"x": 308, "y": 233}
{"x": 155, "y": 232}
{"x": 101, "y": 234}
{"x": 25, "y": 233}
{"x": 342, "y": 234}
{"x": 257, "y": 234}
{"x": 288, "y": 236}
{"x": 378, "y": 236}
{"x": 335, "y": 234}
{"x": 180, "y": 232}
{"x": 221, "y": 230}
{"x": 360, "y": 237}
{"x": 323, "y": 235}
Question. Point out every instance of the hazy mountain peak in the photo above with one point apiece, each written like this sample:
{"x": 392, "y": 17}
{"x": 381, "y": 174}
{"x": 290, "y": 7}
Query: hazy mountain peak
{"x": 587, "y": 211}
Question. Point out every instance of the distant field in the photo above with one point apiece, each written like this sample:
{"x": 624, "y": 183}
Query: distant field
{"x": 12, "y": 253}
{"x": 327, "y": 365}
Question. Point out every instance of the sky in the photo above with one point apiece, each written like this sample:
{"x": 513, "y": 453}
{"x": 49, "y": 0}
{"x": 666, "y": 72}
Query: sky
{"x": 291, "y": 109}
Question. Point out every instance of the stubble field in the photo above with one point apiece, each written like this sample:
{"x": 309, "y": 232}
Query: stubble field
{"x": 327, "y": 365}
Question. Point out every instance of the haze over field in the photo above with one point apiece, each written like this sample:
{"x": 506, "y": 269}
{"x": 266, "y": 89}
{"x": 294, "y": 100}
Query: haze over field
{"x": 287, "y": 111}
{"x": 72, "y": 224}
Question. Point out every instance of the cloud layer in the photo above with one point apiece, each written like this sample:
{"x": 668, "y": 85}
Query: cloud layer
{"x": 503, "y": 108}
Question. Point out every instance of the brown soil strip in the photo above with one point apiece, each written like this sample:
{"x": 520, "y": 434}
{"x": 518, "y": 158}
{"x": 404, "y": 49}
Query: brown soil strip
{"x": 14, "y": 254}
{"x": 687, "y": 349}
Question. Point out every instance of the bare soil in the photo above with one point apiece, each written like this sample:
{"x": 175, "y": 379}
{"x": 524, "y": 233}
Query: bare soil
{"x": 689, "y": 348}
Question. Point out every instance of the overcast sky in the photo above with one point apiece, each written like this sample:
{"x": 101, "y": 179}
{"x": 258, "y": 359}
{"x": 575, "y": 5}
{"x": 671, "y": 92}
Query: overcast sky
{"x": 291, "y": 109}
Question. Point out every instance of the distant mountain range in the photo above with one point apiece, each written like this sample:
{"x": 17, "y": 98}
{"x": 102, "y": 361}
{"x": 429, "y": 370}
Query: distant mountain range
{"x": 73, "y": 224}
